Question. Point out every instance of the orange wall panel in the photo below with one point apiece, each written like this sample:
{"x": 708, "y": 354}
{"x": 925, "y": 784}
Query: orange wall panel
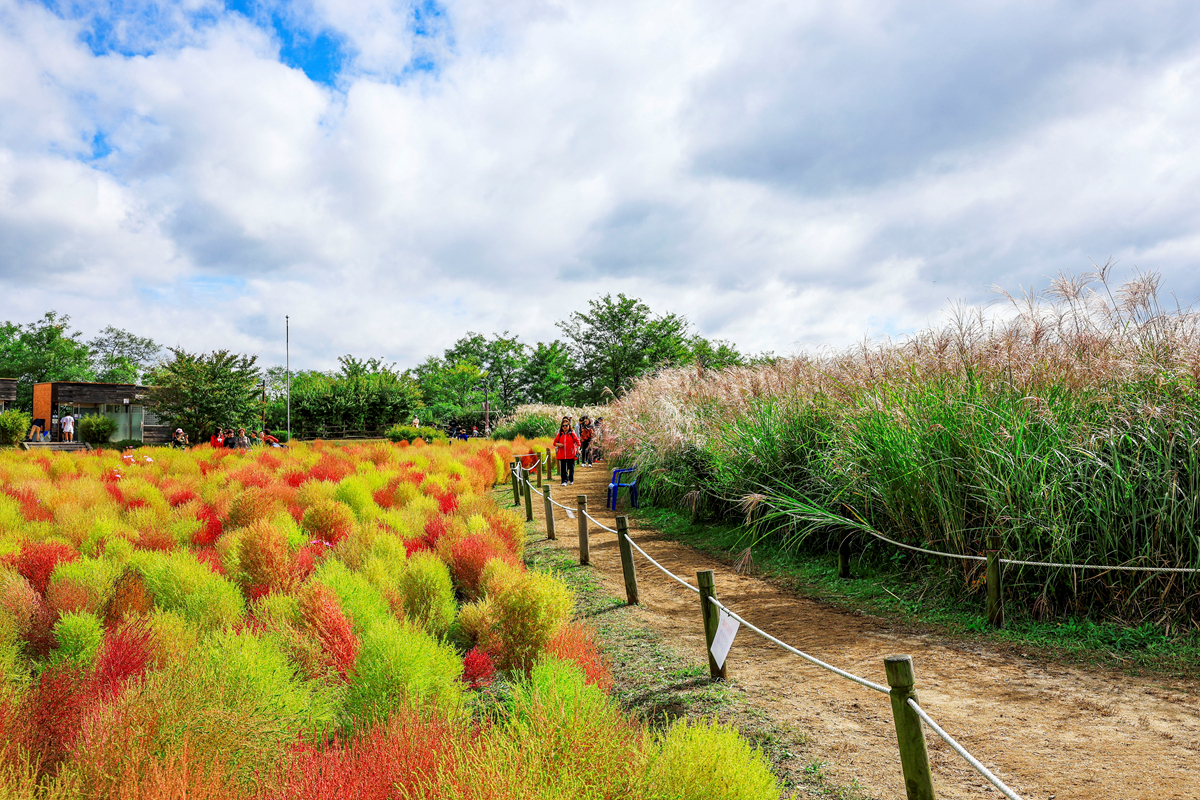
{"x": 41, "y": 402}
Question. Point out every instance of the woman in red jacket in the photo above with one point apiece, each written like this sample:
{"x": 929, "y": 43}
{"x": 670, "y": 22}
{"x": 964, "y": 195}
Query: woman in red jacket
{"x": 566, "y": 445}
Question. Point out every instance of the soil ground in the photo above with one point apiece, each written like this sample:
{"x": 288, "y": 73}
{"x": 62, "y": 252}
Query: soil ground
{"x": 1049, "y": 731}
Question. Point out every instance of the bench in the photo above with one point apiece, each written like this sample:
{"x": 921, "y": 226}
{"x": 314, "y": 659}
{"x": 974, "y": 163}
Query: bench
{"x": 625, "y": 477}
{"x": 68, "y": 446}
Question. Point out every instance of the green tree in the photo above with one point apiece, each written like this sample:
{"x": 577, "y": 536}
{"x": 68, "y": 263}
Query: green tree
{"x": 546, "y": 375}
{"x": 715, "y": 353}
{"x": 364, "y": 395}
{"x": 501, "y": 358}
{"x": 46, "y": 350}
{"x": 119, "y": 356}
{"x": 198, "y": 392}
{"x": 451, "y": 391}
{"x": 619, "y": 340}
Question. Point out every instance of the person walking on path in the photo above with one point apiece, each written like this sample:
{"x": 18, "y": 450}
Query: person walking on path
{"x": 585, "y": 439}
{"x": 566, "y": 445}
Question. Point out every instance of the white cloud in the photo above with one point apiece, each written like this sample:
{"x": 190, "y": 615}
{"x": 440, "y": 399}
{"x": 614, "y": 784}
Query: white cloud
{"x": 783, "y": 175}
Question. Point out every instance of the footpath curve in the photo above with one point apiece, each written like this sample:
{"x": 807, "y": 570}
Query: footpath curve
{"x": 1049, "y": 731}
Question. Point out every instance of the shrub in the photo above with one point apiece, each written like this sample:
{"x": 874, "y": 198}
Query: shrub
{"x": 264, "y": 558}
{"x": 96, "y": 429}
{"x": 129, "y": 598}
{"x": 179, "y": 582}
{"x": 329, "y": 521}
{"x": 78, "y": 635}
{"x": 50, "y": 715}
{"x": 562, "y": 737}
{"x": 400, "y": 665}
{"x": 527, "y": 616}
{"x": 694, "y": 756}
{"x": 407, "y": 433}
{"x": 322, "y": 615}
{"x": 478, "y": 669}
{"x": 577, "y": 642}
{"x": 427, "y": 594}
{"x": 406, "y": 757}
{"x": 361, "y": 601}
{"x": 125, "y": 654}
{"x": 38, "y": 560}
{"x": 14, "y": 425}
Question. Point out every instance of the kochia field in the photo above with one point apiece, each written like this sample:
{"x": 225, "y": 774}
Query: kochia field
{"x": 315, "y": 622}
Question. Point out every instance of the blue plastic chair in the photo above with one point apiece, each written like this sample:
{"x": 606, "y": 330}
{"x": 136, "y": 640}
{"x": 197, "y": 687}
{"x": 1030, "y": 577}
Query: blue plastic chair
{"x": 625, "y": 477}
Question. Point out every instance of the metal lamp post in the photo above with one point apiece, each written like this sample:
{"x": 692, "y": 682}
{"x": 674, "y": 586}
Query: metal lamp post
{"x": 287, "y": 350}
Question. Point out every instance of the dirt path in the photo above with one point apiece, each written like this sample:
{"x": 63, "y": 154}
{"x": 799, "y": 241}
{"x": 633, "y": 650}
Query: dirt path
{"x": 1047, "y": 730}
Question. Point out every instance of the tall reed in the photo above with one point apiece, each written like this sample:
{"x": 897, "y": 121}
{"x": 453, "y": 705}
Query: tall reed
{"x": 1069, "y": 425}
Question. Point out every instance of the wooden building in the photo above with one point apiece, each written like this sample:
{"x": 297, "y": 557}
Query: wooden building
{"x": 124, "y": 403}
{"x": 8, "y": 393}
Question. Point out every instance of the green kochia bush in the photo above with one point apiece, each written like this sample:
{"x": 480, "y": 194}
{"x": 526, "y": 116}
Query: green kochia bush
{"x": 361, "y": 601}
{"x": 427, "y": 593}
{"x": 78, "y": 635}
{"x": 563, "y": 737}
{"x": 694, "y": 758}
{"x": 527, "y": 615}
{"x": 400, "y": 664}
{"x": 179, "y": 582}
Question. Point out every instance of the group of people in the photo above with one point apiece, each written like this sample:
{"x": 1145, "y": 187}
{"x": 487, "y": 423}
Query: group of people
{"x": 577, "y": 441}
{"x": 241, "y": 440}
{"x": 39, "y": 431}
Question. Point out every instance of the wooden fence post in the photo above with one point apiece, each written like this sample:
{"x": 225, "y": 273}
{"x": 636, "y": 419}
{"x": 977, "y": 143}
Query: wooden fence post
{"x": 844, "y": 559}
{"x": 584, "y": 552}
{"x": 995, "y": 587}
{"x": 512, "y": 468}
{"x": 549, "y": 512}
{"x": 551, "y": 461}
{"x": 528, "y": 498}
{"x": 539, "y": 471}
{"x": 708, "y": 612}
{"x": 914, "y": 756}
{"x": 631, "y": 587}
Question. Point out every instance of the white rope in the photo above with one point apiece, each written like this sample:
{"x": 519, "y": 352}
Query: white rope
{"x": 813, "y": 659}
{"x": 958, "y": 748}
{"x": 664, "y": 570}
{"x": 923, "y": 550}
{"x": 1098, "y": 567}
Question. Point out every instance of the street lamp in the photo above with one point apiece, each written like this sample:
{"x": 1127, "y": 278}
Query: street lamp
{"x": 287, "y": 360}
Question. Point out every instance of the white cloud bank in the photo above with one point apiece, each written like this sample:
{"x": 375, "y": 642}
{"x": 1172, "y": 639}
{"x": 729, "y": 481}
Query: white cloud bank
{"x": 782, "y": 174}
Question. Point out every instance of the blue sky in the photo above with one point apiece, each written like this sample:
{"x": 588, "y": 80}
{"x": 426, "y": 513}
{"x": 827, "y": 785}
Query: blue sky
{"x": 392, "y": 174}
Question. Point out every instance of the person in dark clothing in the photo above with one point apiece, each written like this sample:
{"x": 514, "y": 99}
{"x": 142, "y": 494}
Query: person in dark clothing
{"x": 230, "y": 439}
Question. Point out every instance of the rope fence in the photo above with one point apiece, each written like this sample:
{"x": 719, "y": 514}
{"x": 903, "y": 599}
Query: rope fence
{"x": 907, "y": 712}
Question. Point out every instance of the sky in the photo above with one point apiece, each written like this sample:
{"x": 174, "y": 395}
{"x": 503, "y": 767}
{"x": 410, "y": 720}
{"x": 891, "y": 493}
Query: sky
{"x": 787, "y": 175}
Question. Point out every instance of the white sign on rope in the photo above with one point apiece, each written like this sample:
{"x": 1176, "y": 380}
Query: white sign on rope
{"x": 570, "y": 514}
{"x": 727, "y": 628}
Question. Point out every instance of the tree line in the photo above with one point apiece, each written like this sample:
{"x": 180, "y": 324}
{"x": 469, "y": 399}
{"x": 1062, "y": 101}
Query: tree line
{"x": 600, "y": 353}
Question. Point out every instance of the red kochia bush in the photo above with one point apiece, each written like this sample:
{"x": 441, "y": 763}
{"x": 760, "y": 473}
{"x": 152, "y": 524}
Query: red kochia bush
{"x": 478, "y": 669}
{"x": 124, "y": 655}
{"x": 577, "y": 642}
{"x": 468, "y": 558}
{"x": 330, "y": 468}
{"x": 50, "y": 717}
{"x": 31, "y": 507}
{"x": 397, "y": 759}
{"x": 211, "y": 529}
{"x": 38, "y": 560}
{"x": 323, "y": 616}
